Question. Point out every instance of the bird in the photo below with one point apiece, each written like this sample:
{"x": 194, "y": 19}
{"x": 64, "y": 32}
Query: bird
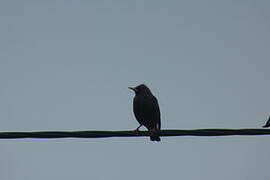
{"x": 146, "y": 110}
{"x": 267, "y": 123}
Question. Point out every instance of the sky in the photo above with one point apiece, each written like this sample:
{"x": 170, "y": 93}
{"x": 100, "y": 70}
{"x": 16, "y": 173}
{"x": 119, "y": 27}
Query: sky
{"x": 66, "y": 65}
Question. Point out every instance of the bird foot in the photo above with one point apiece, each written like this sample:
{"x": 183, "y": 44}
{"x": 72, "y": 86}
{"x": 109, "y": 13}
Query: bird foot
{"x": 136, "y": 131}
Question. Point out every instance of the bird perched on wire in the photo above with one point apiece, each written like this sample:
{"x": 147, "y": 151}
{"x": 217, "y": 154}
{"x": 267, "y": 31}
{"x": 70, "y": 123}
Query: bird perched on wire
{"x": 267, "y": 123}
{"x": 146, "y": 110}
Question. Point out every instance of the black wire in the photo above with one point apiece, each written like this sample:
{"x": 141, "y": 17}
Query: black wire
{"x": 105, "y": 134}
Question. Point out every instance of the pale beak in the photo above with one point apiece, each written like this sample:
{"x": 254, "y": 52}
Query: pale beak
{"x": 132, "y": 88}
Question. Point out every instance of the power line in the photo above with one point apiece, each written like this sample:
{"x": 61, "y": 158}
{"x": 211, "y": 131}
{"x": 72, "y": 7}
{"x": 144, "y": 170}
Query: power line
{"x": 106, "y": 134}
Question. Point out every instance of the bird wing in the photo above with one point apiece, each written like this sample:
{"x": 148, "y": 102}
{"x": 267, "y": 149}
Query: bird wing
{"x": 156, "y": 113}
{"x": 147, "y": 111}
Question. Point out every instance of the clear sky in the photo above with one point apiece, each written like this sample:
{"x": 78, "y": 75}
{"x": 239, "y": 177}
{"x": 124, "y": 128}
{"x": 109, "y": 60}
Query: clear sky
{"x": 66, "y": 65}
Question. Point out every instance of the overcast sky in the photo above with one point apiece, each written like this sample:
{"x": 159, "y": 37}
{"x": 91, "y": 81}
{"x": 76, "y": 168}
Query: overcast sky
{"x": 66, "y": 65}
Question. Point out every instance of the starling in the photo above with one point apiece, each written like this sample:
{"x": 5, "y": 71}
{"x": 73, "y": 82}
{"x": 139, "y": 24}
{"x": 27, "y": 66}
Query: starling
{"x": 267, "y": 123}
{"x": 146, "y": 110}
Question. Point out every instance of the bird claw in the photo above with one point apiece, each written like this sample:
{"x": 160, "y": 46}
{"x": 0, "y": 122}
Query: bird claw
{"x": 136, "y": 131}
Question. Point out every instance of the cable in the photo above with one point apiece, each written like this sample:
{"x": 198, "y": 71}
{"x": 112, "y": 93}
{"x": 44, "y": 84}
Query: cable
{"x": 106, "y": 134}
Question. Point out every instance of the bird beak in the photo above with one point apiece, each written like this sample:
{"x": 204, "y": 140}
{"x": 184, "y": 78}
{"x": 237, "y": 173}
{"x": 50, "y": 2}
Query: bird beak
{"x": 132, "y": 88}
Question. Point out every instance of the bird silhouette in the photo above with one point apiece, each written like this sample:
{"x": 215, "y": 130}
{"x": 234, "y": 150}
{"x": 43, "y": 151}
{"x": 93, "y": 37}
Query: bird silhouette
{"x": 146, "y": 110}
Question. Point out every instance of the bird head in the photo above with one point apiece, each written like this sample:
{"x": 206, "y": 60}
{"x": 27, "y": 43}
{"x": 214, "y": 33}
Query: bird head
{"x": 141, "y": 89}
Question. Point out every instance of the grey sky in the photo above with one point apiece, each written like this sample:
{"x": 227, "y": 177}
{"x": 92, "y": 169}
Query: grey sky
{"x": 66, "y": 65}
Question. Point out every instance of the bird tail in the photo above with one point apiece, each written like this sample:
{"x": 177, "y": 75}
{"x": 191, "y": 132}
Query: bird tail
{"x": 154, "y": 136}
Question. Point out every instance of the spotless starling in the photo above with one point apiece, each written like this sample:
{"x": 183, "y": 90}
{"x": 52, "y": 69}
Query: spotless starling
{"x": 146, "y": 110}
{"x": 267, "y": 123}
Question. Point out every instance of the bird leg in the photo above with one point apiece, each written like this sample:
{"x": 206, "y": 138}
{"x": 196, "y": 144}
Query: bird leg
{"x": 138, "y": 129}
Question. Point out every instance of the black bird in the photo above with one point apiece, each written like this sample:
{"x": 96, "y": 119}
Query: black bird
{"x": 267, "y": 123}
{"x": 146, "y": 110}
